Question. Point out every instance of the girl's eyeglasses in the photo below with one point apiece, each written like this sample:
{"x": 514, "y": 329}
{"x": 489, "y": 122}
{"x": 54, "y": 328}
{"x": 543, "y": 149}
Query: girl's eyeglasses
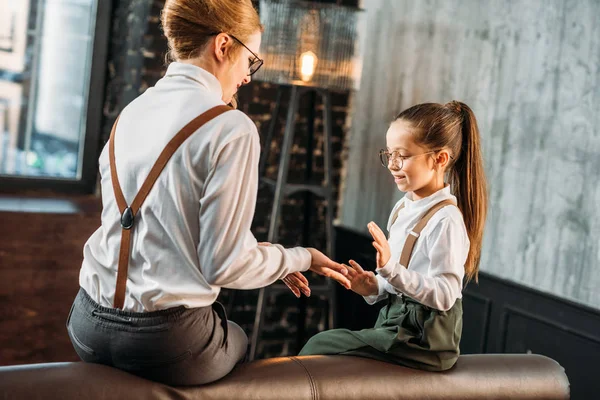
{"x": 385, "y": 157}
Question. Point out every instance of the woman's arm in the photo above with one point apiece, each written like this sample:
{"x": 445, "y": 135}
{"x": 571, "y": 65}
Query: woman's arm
{"x": 228, "y": 252}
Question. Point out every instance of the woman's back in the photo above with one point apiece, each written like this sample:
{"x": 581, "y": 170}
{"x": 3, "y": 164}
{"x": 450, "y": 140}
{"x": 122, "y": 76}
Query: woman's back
{"x": 166, "y": 270}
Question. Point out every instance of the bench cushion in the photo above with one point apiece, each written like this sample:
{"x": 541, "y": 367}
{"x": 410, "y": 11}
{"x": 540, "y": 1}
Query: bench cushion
{"x": 483, "y": 376}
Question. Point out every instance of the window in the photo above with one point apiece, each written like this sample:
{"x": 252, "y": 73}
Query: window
{"x": 52, "y": 63}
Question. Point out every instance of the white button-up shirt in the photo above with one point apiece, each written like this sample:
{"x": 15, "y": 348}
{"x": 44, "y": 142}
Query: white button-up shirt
{"x": 191, "y": 236}
{"x": 436, "y": 269}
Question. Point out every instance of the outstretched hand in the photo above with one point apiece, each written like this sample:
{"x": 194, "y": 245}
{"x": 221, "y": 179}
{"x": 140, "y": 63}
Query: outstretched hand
{"x": 380, "y": 243}
{"x": 323, "y": 265}
{"x": 320, "y": 264}
{"x": 297, "y": 283}
{"x": 363, "y": 282}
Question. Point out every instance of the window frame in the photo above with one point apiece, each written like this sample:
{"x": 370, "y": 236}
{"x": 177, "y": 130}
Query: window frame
{"x": 93, "y": 124}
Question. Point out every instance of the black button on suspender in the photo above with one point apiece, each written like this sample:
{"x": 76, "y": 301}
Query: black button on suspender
{"x": 127, "y": 218}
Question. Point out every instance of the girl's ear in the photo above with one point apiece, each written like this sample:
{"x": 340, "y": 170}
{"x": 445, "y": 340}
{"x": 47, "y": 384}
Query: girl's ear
{"x": 442, "y": 158}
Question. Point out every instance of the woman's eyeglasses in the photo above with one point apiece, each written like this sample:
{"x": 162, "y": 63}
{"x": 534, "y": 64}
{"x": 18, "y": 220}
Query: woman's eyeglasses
{"x": 256, "y": 63}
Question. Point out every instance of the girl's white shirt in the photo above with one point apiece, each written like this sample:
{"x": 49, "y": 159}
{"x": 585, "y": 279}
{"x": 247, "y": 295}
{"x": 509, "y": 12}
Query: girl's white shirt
{"x": 434, "y": 276}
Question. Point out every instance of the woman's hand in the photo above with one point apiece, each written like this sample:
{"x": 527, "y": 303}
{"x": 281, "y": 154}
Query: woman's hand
{"x": 363, "y": 282}
{"x": 297, "y": 283}
{"x": 323, "y": 265}
{"x": 381, "y": 244}
{"x": 320, "y": 264}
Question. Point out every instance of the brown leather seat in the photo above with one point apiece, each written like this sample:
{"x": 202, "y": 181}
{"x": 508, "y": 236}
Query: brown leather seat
{"x": 484, "y": 376}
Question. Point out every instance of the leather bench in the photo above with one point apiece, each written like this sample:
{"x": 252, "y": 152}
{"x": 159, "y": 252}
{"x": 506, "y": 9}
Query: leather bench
{"x": 482, "y": 376}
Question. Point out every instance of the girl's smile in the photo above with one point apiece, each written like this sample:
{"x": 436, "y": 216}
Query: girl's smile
{"x": 413, "y": 167}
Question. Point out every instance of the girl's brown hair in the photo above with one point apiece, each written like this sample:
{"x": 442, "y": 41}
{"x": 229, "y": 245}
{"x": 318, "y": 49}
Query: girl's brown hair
{"x": 453, "y": 126}
{"x": 189, "y": 24}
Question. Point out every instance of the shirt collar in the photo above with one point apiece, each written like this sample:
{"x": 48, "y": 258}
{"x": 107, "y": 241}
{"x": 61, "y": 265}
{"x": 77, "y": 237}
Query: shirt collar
{"x": 196, "y": 74}
{"x": 426, "y": 202}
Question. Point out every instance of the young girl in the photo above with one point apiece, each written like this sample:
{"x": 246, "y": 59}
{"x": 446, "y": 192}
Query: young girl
{"x": 434, "y": 244}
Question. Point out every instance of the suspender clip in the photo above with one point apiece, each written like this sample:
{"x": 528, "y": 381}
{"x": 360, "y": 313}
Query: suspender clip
{"x": 415, "y": 234}
{"x": 127, "y": 218}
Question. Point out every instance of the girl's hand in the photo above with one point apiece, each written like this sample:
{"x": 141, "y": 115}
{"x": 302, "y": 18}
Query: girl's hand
{"x": 381, "y": 244}
{"x": 323, "y": 265}
{"x": 363, "y": 282}
{"x": 297, "y": 283}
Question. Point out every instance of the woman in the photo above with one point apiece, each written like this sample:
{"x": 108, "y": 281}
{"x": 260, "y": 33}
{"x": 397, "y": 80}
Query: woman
{"x": 179, "y": 180}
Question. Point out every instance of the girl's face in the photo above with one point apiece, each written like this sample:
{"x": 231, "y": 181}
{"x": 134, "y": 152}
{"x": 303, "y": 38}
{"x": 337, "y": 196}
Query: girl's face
{"x": 415, "y": 168}
{"x": 238, "y": 68}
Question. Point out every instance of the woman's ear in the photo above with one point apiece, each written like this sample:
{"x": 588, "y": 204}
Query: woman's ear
{"x": 222, "y": 46}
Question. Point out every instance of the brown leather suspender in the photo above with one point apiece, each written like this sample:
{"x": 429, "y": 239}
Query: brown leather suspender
{"x": 128, "y": 213}
{"x": 414, "y": 234}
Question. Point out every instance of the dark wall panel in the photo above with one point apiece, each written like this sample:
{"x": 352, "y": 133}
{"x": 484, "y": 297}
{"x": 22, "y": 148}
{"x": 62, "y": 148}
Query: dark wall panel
{"x": 477, "y": 312}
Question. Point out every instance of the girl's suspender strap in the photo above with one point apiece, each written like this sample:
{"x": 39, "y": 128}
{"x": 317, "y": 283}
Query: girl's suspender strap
{"x": 128, "y": 213}
{"x": 414, "y": 234}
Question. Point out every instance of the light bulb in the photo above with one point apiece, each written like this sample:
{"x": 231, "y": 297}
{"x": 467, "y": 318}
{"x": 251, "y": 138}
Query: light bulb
{"x": 308, "y": 63}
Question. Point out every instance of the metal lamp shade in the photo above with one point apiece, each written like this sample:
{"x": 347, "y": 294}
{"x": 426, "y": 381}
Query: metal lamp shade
{"x": 310, "y": 44}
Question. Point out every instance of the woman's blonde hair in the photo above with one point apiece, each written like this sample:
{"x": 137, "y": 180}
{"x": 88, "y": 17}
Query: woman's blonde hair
{"x": 189, "y": 24}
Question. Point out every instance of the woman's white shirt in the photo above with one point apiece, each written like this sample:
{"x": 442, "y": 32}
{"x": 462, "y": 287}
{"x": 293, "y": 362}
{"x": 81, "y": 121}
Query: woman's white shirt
{"x": 192, "y": 234}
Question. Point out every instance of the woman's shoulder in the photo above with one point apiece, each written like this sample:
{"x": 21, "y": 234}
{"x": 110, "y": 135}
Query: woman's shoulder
{"x": 232, "y": 127}
{"x": 237, "y": 121}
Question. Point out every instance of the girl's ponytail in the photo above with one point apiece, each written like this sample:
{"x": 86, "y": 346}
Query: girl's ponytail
{"x": 470, "y": 186}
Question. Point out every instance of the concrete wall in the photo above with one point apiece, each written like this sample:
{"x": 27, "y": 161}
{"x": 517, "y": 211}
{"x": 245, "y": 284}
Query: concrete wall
{"x": 531, "y": 72}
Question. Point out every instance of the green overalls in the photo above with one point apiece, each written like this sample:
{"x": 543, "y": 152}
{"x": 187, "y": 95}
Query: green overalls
{"x": 406, "y": 332}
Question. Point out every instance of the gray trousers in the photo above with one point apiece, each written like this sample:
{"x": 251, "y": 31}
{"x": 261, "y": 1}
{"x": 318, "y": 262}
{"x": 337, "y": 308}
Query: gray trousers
{"x": 177, "y": 346}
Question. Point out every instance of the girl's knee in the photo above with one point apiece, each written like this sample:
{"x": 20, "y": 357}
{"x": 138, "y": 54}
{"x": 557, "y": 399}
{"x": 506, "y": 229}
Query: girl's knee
{"x": 318, "y": 344}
